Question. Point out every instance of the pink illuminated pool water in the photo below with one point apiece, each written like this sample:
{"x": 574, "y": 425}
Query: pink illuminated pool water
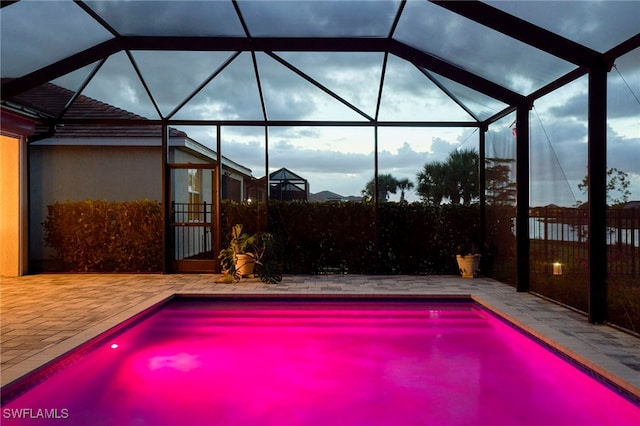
{"x": 196, "y": 362}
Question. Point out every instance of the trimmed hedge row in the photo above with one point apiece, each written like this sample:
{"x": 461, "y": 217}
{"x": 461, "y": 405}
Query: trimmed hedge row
{"x": 343, "y": 236}
{"x": 106, "y": 236}
{"x": 102, "y": 236}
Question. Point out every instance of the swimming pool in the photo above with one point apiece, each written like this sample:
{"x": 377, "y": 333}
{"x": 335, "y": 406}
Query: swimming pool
{"x": 332, "y": 362}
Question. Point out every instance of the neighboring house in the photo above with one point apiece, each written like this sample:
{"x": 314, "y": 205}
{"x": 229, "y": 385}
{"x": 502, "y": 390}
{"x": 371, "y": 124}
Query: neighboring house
{"x": 631, "y": 205}
{"x": 110, "y": 162}
{"x": 284, "y": 185}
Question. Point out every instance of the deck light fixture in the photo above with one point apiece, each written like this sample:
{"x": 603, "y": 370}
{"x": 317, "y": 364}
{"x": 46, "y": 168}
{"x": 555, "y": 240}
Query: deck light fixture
{"x": 557, "y": 268}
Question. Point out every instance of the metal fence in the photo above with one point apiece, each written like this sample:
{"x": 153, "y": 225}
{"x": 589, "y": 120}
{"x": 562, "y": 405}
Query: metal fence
{"x": 561, "y": 235}
{"x": 192, "y": 229}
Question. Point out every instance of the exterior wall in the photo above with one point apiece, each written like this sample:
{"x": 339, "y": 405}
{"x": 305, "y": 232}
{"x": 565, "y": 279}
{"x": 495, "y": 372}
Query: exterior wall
{"x": 13, "y": 244}
{"x": 76, "y": 173}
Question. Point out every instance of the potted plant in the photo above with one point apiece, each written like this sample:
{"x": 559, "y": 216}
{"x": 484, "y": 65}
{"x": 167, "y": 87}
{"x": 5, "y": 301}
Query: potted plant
{"x": 248, "y": 254}
{"x": 468, "y": 257}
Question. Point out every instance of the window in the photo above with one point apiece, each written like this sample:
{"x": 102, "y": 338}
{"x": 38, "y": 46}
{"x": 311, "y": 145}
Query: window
{"x": 231, "y": 188}
{"x": 195, "y": 183}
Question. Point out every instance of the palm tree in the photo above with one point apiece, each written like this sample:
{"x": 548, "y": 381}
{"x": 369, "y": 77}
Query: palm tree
{"x": 463, "y": 176}
{"x": 455, "y": 179}
{"x": 431, "y": 182}
{"x": 386, "y": 184}
{"x": 404, "y": 185}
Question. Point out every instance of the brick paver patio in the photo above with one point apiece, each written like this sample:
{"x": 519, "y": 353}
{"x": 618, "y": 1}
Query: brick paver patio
{"x": 43, "y": 316}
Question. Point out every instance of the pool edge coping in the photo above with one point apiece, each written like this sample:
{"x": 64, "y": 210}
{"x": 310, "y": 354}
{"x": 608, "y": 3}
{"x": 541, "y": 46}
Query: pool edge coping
{"x": 53, "y": 353}
{"x": 39, "y": 362}
{"x": 572, "y": 354}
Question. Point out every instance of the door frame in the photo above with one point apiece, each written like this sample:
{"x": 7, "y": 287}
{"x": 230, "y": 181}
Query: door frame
{"x": 211, "y": 223}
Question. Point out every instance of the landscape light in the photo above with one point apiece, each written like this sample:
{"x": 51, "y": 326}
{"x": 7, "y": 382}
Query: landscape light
{"x": 557, "y": 268}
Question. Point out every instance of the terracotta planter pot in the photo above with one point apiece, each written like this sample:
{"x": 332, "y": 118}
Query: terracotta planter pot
{"x": 468, "y": 265}
{"x": 245, "y": 264}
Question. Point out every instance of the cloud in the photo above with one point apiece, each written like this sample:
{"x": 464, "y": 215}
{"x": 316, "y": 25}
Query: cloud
{"x": 319, "y": 18}
{"x": 586, "y": 22}
{"x": 344, "y": 157}
{"x": 170, "y": 17}
{"x": 284, "y": 153}
{"x": 621, "y": 102}
{"x": 53, "y": 33}
{"x": 476, "y": 48}
{"x": 559, "y": 156}
{"x": 182, "y": 73}
{"x": 441, "y": 148}
{"x": 624, "y": 154}
{"x": 404, "y": 162}
{"x": 575, "y": 106}
{"x": 354, "y": 76}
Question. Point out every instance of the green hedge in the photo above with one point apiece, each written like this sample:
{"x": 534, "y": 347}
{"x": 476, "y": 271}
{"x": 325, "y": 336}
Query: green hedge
{"x": 319, "y": 237}
{"x": 101, "y": 236}
{"x": 106, "y": 236}
{"x": 353, "y": 237}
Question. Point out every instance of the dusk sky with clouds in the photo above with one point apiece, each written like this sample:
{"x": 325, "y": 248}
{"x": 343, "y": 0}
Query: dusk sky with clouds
{"x": 341, "y": 159}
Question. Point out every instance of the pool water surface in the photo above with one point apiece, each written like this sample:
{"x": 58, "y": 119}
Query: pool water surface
{"x": 247, "y": 362}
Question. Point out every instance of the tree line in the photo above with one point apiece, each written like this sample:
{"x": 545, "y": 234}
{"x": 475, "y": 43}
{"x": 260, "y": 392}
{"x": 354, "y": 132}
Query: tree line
{"x": 455, "y": 180}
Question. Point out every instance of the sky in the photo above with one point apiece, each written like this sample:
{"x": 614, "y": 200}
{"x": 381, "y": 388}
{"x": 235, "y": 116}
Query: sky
{"x": 341, "y": 159}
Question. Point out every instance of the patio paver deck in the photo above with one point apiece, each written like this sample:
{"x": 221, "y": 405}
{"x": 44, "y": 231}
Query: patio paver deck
{"x": 44, "y": 316}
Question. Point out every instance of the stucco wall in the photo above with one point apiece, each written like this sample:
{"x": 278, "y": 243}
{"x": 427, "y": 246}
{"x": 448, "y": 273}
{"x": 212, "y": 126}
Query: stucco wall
{"x": 12, "y": 207}
{"x": 76, "y": 173}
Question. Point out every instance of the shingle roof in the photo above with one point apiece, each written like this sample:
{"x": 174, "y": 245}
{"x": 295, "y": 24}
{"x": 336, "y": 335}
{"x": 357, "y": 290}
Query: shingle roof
{"x": 50, "y": 100}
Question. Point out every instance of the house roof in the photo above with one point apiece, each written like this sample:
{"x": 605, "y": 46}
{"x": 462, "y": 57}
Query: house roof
{"x": 50, "y": 101}
{"x": 285, "y": 175}
{"x": 631, "y": 205}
